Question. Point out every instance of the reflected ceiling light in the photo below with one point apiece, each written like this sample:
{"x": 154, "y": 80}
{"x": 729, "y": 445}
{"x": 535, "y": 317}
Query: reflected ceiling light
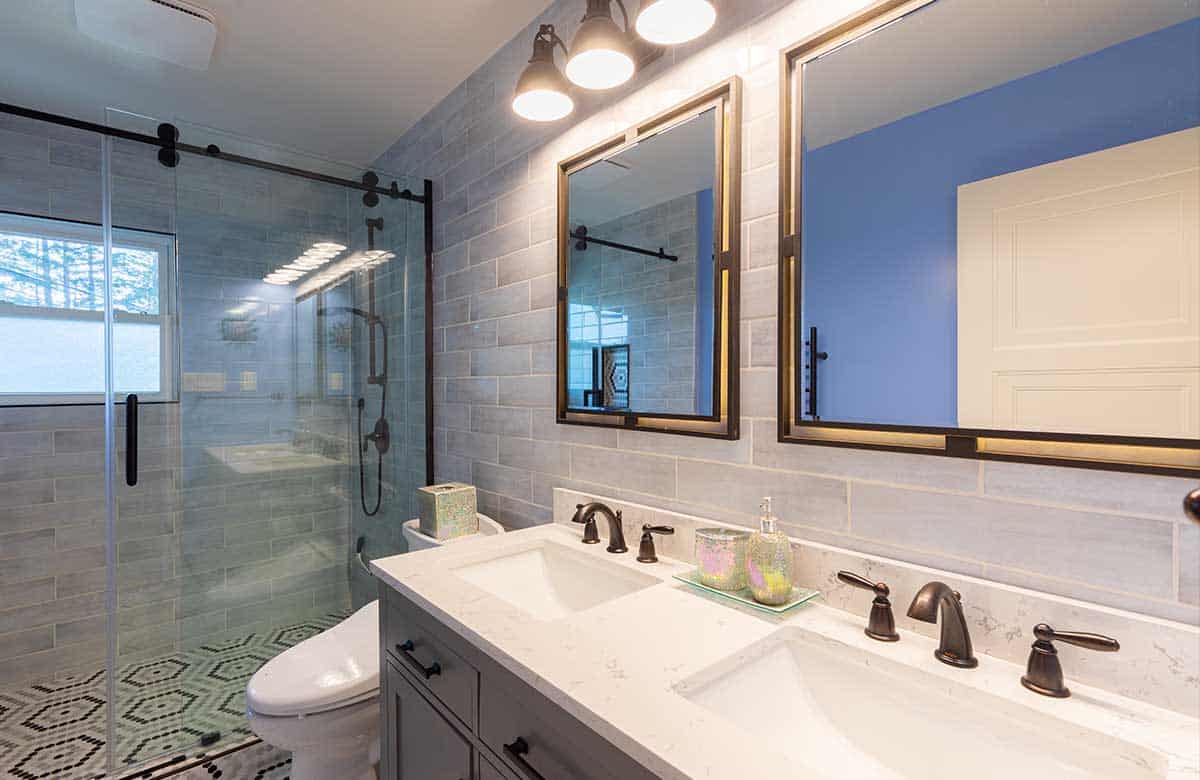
{"x": 670, "y": 22}
{"x": 313, "y": 258}
{"x": 601, "y": 56}
{"x": 542, "y": 90}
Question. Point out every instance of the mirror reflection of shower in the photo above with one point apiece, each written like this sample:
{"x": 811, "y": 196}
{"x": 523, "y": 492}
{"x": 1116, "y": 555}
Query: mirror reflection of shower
{"x": 377, "y": 374}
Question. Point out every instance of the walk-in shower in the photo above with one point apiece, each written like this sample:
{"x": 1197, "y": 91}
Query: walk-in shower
{"x": 269, "y": 313}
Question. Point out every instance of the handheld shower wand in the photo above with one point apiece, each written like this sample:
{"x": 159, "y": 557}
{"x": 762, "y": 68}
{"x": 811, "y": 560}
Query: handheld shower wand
{"x": 380, "y": 434}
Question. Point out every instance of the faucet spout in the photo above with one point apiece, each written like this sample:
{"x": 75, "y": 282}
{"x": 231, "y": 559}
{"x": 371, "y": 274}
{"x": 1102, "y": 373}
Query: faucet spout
{"x": 938, "y": 602}
{"x": 585, "y": 513}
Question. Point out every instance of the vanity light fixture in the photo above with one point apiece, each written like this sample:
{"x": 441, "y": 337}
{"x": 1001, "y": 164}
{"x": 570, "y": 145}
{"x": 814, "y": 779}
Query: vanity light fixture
{"x": 671, "y": 22}
{"x": 601, "y": 55}
{"x": 542, "y": 93}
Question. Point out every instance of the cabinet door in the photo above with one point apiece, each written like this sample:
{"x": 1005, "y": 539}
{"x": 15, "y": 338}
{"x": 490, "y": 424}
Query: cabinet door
{"x": 488, "y": 771}
{"x": 418, "y": 743}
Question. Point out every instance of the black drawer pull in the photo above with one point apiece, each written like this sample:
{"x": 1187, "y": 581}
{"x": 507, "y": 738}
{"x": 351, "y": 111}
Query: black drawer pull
{"x": 516, "y": 752}
{"x": 426, "y": 671}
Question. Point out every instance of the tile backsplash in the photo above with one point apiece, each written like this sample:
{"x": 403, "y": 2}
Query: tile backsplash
{"x": 1119, "y": 540}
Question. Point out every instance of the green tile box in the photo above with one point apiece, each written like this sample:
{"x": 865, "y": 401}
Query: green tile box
{"x": 447, "y": 510}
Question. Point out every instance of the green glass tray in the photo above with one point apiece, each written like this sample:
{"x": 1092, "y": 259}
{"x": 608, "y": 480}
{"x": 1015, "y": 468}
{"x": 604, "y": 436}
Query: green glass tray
{"x": 746, "y": 596}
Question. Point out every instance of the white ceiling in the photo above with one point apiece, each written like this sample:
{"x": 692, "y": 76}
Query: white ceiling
{"x": 680, "y": 161}
{"x": 955, "y": 48}
{"x": 340, "y": 79}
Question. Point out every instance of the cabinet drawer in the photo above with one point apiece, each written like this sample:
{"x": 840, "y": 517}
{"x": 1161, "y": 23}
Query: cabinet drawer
{"x": 431, "y": 662}
{"x": 564, "y": 750}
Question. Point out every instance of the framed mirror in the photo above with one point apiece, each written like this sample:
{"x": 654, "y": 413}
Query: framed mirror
{"x": 990, "y": 233}
{"x": 648, "y": 261}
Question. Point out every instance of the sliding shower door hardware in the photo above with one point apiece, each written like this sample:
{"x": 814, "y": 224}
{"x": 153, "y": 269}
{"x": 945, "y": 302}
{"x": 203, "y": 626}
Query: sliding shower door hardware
{"x": 168, "y": 136}
{"x": 371, "y": 199}
{"x": 582, "y": 239}
{"x": 392, "y": 191}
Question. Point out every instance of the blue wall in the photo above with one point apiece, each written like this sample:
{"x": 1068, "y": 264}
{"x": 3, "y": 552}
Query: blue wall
{"x": 880, "y": 215}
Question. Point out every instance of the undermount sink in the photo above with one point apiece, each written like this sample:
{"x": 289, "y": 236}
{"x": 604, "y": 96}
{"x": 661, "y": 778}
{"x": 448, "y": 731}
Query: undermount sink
{"x": 552, "y": 581}
{"x": 817, "y": 699}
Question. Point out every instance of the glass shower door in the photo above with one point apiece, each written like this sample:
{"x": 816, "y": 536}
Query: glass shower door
{"x": 53, "y": 512}
{"x": 273, "y": 270}
{"x": 184, "y": 482}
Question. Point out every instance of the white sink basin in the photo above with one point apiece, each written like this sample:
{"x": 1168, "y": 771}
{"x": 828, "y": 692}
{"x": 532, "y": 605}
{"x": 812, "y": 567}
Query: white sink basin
{"x": 831, "y": 704}
{"x": 552, "y": 581}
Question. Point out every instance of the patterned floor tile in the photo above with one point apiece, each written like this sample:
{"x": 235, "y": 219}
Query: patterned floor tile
{"x": 165, "y": 706}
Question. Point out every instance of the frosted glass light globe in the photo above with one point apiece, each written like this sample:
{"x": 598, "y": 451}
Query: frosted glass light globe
{"x": 600, "y": 68}
{"x": 543, "y": 105}
{"x": 671, "y": 22}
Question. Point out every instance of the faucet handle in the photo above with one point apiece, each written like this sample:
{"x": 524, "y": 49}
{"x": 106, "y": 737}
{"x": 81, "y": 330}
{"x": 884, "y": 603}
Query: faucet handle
{"x": 882, "y": 624}
{"x": 1043, "y": 673}
{"x": 1099, "y": 642}
{"x": 646, "y": 553}
{"x": 590, "y": 534}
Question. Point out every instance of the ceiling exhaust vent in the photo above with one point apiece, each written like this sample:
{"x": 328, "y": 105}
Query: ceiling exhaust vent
{"x": 170, "y": 30}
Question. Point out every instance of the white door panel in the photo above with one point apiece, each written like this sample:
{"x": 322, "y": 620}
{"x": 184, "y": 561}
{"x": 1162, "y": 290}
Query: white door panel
{"x": 1079, "y": 294}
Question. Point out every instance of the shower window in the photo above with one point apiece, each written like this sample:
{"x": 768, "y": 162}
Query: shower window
{"x": 52, "y": 311}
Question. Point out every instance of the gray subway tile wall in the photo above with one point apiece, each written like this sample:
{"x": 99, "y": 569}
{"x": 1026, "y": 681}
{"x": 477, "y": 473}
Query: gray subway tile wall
{"x": 1115, "y": 539}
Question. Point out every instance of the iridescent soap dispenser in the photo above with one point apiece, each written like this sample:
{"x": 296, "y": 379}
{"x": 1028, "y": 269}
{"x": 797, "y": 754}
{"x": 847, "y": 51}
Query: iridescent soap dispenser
{"x": 769, "y": 561}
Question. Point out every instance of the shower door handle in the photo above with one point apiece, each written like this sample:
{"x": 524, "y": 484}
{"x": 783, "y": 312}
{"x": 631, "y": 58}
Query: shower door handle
{"x": 131, "y": 439}
{"x": 814, "y": 358}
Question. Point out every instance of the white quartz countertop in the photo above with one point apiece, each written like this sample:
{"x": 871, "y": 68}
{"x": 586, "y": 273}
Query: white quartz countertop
{"x": 618, "y": 666}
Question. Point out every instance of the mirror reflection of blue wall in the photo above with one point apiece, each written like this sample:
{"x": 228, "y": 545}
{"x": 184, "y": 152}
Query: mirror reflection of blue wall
{"x": 879, "y": 242}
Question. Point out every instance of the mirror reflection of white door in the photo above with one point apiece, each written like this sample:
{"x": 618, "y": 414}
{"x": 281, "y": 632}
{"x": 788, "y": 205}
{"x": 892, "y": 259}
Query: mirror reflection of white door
{"x": 1079, "y": 294}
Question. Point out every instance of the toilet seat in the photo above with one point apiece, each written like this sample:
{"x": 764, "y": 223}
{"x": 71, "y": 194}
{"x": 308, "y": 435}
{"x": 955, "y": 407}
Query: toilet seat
{"x": 331, "y": 670}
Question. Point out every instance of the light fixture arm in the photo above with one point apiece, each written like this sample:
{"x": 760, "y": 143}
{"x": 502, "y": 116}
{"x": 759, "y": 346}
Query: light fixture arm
{"x": 545, "y": 41}
{"x": 603, "y": 8}
{"x": 625, "y": 14}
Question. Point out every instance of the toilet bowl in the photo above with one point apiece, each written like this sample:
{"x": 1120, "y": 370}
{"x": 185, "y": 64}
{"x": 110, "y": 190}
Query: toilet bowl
{"x": 320, "y": 698}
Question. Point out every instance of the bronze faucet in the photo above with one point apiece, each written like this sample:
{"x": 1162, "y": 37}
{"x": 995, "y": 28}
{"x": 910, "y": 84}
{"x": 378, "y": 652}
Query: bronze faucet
{"x": 585, "y": 514}
{"x": 1043, "y": 673}
{"x": 938, "y": 600}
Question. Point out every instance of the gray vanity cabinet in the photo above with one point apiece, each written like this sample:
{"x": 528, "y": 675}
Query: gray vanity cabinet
{"x": 450, "y": 711}
{"x": 419, "y": 744}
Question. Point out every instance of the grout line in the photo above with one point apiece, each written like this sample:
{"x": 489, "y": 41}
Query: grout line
{"x": 849, "y": 505}
{"x": 1176, "y": 554}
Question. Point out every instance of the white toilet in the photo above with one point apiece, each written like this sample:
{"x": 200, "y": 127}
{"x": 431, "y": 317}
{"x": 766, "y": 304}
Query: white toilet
{"x": 320, "y": 699}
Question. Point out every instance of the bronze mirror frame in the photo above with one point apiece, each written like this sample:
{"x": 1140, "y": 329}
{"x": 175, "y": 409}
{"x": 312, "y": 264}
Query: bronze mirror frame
{"x": 726, "y": 98}
{"x": 1168, "y": 456}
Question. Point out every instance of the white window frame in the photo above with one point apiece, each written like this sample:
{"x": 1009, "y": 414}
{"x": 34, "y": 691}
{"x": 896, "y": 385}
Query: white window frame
{"x": 161, "y": 243}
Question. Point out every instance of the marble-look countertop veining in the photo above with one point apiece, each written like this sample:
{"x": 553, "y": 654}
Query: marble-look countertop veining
{"x": 619, "y": 666}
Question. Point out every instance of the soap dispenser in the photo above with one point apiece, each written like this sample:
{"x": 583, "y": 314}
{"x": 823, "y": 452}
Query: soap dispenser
{"x": 769, "y": 561}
